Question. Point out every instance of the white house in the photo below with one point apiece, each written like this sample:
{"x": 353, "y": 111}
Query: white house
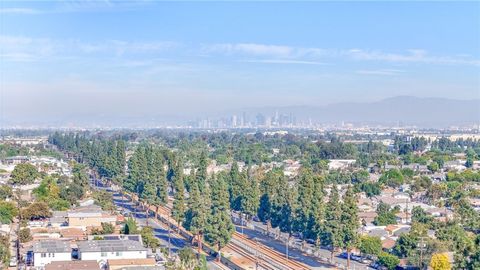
{"x": 47, "y": 251}
{"x": 103, "y": 250}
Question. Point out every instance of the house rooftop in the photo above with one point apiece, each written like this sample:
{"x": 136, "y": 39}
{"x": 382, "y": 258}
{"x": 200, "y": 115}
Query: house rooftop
{"x": 127, "y": 262}
{"x": 133, "y": 237}
{"x": 73, "y": 265}
{"x": 51, "y": 246}
{"x": 110, "y": 246}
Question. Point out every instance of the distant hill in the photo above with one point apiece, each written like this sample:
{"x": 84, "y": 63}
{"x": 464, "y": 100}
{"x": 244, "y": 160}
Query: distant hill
{"x": 429, "y": 112}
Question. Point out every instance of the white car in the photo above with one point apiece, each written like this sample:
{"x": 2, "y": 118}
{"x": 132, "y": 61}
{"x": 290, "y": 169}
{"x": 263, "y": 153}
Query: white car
{"x": 13, "y": 262}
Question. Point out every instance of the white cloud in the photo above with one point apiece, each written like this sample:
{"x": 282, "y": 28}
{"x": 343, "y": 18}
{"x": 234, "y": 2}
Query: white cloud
{"x": 19, "y": 11}
{"x": 412, "y": 56}
{"x": 383, "y": 72}
{"x": 16, "y": 48}
{"x": 283, "y": 61}
{"x": 311, "y": 54}
{"x": 251, "y": 49}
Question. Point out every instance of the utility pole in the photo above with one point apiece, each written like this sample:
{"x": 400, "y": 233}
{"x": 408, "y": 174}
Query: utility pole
{"x": 256, "y": 253}
{"x": 288, "y": 239}
{"x": 421, "y": 246}
{"x": 169, "y": 248}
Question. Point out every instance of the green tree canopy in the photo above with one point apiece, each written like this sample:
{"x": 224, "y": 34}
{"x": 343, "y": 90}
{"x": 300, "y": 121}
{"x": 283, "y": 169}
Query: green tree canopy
{"x": 23, "y": 174}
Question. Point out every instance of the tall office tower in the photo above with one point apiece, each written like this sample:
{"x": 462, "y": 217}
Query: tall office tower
{"x": 260, "y": 119}
{"x": 234, "y": 121}
{"x": 268, "y": 121}
{"x": 242, "y": 121}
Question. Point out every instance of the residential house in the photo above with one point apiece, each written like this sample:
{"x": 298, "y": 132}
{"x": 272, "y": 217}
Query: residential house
{"x": 47, "y": 251}
{"x": 73, "y": 265}
{"x": 403, "y": 218}
{"x": 89, "y": 216}
{"x": 340, "y": 164}
{"x": 73, "y": 234}
{"x": 367, "y": 217}
{"x": 103, "y": 250}
{"x": 58, "y": 219}
{"x": 16, "y": 160}
{"x": 134, "y": 263}
{"x": 132, "y": 237}
{"x": 388, "y": 243}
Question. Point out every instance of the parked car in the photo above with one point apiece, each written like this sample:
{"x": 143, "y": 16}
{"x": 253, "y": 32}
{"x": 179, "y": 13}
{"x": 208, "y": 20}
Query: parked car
{"x": 13, "y": 262}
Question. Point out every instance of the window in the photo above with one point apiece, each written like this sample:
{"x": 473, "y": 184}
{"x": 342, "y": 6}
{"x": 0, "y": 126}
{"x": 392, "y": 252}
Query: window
{"x": 118, "y": 254}
{"x": 43, "y": 255}
{"x": 103, "y": 254}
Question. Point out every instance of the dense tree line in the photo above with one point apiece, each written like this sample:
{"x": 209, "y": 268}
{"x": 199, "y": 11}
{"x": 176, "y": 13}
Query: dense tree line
{"x": 106, "y": 156}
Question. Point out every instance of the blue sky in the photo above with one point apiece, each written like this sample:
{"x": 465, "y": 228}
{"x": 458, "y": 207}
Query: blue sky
{"x": 153, "y": 57}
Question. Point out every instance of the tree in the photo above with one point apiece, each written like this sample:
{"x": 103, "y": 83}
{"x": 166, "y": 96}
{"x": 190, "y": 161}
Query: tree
{"x": 419, "y": 215}
{"x": 36, "y": 210}
{"x": 219, "y": 228}
{"x": 270, "y": 198}
{"x": 188, "y": 259}
{"x": 440, "y": 261}
{"x": 392, "y": 178}
{"x": 251, "y": 200}
{"x": 23, "y": 174}
{"x": 433, "y": 167}
{"x": 107, "y": 228}
{"x": 469, "y": 163}
{"x": 333, "y": 214}
{"x": 349, "y": 222}
{"x": 130, "y": 227}
{"x": 178, "y": 209}
{"x": 371, "y": 189}
{"x": 317, "y": 222}
{"x": 197, "y": 215}
{"x": 201, "y": 173}
{"x": 5, "y": 192}
{"x": 371, "y": 245}
{"x": 304, "y": 211}
{"x": 8, "y": 211}
{"x": 104, "y": 199}
{"x": 385, "y": 215}
{"x": 148, "y": 238}
{"x": 388, "y": 260}
{"x": 406, "y": 245}
{"x": 4, "y": 249}
{"x": 24, "y": 235}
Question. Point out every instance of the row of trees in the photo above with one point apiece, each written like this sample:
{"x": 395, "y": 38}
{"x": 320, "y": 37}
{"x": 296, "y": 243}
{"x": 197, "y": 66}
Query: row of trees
{"x": 106, "y": 156}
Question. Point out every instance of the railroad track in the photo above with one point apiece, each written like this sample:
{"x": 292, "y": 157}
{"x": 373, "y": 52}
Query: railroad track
{"x": 269, "y": 259}
{"x": 258, "y": 261}
{"x": 273, "y": 255}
